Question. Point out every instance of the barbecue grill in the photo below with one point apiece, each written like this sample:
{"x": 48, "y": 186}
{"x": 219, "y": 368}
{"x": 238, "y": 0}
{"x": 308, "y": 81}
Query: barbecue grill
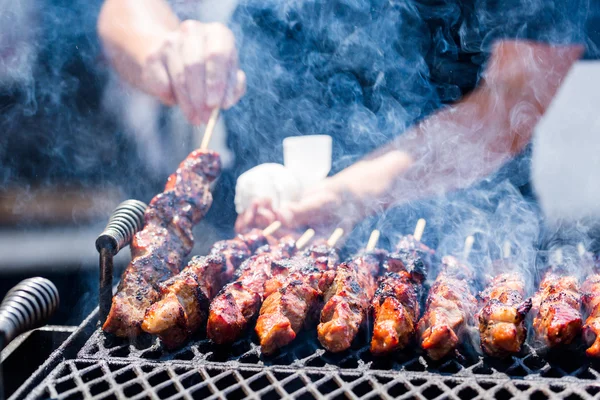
{"x": 93, "y": 365}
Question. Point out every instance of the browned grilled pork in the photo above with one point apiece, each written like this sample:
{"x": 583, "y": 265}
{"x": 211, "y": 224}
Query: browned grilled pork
{"x": 396, "y": 303}
{"x": 159, "y": 248}
{"x": 557, "y": 304}
{"x": 238, "y": 303}
{"x": 347, "y": 301}
{"x": 591, "y": 301}
{"x": 185, "y": 297}
{"x": 502, "y": 315}
{"x": 450, "y": 308}
{"x": 295, "y": 297}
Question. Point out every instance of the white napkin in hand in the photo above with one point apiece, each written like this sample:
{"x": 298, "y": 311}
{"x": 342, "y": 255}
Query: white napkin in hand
{"x": 272, "y": 181}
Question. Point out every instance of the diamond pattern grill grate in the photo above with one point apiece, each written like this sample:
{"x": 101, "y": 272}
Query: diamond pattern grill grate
{"x": 106, "y": 368}
{"x": 100, "y": 379}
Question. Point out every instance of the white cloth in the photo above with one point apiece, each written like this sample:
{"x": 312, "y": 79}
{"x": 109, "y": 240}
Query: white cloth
{"x": 566, "y": 148}
{"x": 272, "y": 181}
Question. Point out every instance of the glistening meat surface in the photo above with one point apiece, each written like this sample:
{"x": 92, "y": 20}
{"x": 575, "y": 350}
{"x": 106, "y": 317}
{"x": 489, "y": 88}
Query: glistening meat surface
{"x": 294, "y": 297}
{"x": 238, "y": 303}
{"x": 185, "y": 297}
{"x": 449, "y": 309}
{"x": 347, "y": 301}
{"x": 557, "y": 307}
{"x": 502, "y": 315}
{"x": 159, "y": 249}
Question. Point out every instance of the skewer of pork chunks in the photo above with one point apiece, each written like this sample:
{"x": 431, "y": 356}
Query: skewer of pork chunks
{"x": 557, "y": 306}
{"x": 591, "y": 302}
{"x": 183, "y": 308}
{"x": 159, "y": 249}
{"x": 347, "y": 299}
{"x": 292, "y": 296}
{"x": 395, "y": 306}
{"x": 450, "y": 306}
{"x": 238, "y": 303}
{"x": 503, "y": 309}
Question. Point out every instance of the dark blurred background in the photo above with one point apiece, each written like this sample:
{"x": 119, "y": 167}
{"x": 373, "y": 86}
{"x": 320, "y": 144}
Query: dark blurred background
{"x": 64, "y": 162}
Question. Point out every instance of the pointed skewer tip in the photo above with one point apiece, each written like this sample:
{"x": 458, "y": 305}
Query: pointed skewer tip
{"x": 271, "y": 229}
{"x": 468, "y": 247}
{"x": 305, "y": 238}
{"x": 210, "y": 127}
{"x": 373, "y": 239}
{"x": 419, "y": 229}
{"x": 335, "y": 236}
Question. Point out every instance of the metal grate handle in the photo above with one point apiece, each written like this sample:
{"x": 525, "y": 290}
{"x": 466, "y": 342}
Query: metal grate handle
{"x": 125, "y": 221}
{"x": 27, "y": 306}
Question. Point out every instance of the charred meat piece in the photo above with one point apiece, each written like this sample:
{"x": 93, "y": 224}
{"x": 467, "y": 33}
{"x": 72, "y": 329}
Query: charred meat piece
{"x": 158, "y": 250}
{"x": 591, "y": 301}
{"x": 502, "y": 315}
{"x": 185, "y": 297}
{"x": 238, "y": 249}
{"x": 557, "y": 307}
{"x": 449, "y": 309}
{"x": 396, "y": 303}
{"x": 238, "y": 303}
{"x": 295, "y": 296}
{"x": 347, "y": 301}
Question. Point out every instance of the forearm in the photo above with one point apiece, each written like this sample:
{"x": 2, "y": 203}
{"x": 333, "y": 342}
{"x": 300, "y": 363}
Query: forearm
{"x": 130, "y": 30}
{"x": 463, "y": 143}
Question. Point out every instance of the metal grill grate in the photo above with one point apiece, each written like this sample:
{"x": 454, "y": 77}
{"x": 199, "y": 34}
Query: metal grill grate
{"x": 100, "y": 379}
{"x": 107, "y": 368}
{"x": 307, "y": 352}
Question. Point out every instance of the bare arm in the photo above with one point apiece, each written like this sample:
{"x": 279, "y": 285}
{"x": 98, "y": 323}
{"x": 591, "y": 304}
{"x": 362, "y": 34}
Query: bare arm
{"x": 191, "y": 64}
{"x": 453, "y": 148}
{"x": 131, "y": 31}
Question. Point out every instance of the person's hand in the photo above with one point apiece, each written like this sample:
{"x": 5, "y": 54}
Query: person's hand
{"x": 259, "y": 215}
{"x": 195, "y": 67}
{"x": 323, "y": 207}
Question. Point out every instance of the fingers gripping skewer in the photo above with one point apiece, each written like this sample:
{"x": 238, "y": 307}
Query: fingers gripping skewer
{"x": 335, "y": 236}
{"x": 305, "y": 238}
{"x": 271, "y": 229}
{"x": 468, "y": 247}
{"x": 373, "y": 239}
{"x": 419, "y": 229}
{"x": 210, "y": 127}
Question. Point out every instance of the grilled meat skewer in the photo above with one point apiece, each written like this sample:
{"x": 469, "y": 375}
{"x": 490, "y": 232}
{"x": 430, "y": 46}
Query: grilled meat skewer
{"x": 396, "y": 303}
{"x": 558, "y": 309}
{"x": 347, "y": 301}
{"x": 502, "y": 315}
{"x": 449, "y": 309}
{"x": 294, "y": 294}
{"x": 239, "y": 302}
{"x": 183, "y": 308}
{"x": 591, "y": 301}
{"x": 159, "y": 248}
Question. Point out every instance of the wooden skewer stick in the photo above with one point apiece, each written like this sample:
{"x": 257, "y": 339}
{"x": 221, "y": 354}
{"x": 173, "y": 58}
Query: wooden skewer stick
{"x": 271, "y": 229}
{"x": 335, "y": 236}
{"x": 419, "y": 229}
{"x": 305, "y": 238}
{"x": 558, "y": 256}
{"x": 506, "y": 249}
{"x": 580, "y": 249}
{"x": 210, "y": 127}
{"x": 373, "y": 239}
{"x": 468, "y": 247}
